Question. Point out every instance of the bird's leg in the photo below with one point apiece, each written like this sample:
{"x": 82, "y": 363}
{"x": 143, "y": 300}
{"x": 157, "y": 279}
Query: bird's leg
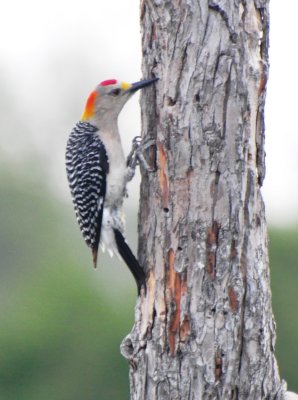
{"x": 136, "y": 156}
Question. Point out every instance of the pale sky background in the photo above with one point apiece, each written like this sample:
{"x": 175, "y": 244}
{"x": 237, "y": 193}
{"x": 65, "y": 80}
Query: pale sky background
{"x": 53, "y": 53}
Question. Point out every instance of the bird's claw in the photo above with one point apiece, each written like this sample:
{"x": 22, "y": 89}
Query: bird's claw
{"x": 136, "y": 156}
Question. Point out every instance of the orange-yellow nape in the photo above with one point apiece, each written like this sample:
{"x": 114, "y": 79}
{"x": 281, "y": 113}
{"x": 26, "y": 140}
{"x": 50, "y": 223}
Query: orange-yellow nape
{"x": 90, "y": 106}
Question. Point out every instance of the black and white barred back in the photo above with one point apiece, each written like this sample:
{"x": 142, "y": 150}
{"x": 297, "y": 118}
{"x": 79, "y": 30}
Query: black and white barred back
{"x": 87, "y": 167}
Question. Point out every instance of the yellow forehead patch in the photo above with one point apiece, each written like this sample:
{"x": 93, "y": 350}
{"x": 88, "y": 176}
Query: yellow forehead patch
{"x": 125, "y": 86}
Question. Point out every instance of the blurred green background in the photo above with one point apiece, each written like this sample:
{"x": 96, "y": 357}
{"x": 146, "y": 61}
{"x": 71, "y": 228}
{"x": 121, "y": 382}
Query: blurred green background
{"x": 61, "y": 323}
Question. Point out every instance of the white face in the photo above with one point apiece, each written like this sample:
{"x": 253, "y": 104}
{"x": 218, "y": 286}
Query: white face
{"x": 112, "y": 97}
{"x": 109, "y": 97}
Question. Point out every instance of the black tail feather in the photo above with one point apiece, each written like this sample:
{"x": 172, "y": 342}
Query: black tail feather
{"x": 130, "y": 260}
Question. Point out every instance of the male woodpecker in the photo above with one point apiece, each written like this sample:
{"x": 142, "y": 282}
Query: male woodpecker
{"x": 97, "y": 171}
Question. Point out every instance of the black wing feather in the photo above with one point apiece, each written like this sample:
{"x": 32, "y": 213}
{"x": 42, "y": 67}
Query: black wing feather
{"x": 87, "y": 167}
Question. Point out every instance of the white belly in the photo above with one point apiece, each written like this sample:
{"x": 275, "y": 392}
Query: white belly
{"x": 111, "y": 219}
{"x": 116, "y": 178}
{"x": 116, "y": 182}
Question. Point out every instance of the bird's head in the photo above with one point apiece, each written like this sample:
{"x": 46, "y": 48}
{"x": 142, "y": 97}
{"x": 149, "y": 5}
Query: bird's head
{"x": 109, "y": 97}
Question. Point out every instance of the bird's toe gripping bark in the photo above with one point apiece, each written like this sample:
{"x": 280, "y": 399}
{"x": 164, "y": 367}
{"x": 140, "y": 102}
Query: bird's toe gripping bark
{"x": 136, "y": 156}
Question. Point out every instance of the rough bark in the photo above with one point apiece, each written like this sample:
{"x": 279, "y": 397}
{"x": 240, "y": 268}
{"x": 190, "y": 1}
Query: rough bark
{"x": 205, "y": 328}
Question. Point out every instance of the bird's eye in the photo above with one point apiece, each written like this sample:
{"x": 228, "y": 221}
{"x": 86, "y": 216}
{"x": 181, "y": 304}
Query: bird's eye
{"x": 115, "y": 92}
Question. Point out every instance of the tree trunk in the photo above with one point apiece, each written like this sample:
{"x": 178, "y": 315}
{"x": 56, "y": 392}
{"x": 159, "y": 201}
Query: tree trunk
{"x": 205, "y": 328}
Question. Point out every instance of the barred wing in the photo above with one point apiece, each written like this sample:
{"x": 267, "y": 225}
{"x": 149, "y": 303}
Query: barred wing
{"x": 87, "y": 167}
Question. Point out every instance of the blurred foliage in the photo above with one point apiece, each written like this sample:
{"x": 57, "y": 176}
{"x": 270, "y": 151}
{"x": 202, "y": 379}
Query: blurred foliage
{"x": 61, "y": 326}
{"x": 283, "y": 252}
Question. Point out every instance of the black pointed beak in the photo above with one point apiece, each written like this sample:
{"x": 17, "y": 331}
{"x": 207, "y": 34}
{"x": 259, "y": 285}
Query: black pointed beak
{"x": 141, "y": 84}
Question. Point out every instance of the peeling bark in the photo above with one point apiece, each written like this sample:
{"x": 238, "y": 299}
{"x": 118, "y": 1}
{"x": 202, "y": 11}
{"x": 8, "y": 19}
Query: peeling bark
{"x": 205, "y": 328}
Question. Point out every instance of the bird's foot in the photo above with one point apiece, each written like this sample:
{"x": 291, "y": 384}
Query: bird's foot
{"x": 136, "y": 156}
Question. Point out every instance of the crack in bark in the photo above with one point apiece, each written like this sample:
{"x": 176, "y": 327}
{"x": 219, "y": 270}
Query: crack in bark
{"x": 190, "y": 169}
{"x": 214, "y": 192}
{"x": 163, "y": 177}
{"x": 233, "y": 299}
{"x": 211, "y": 248}
{"x": 174, "y": 287}
{"x": 226, "y": 99}
{"x": 216, "y": 7}
{"x": 248, "y": 194}
{"x": 206, "y": 29}
{"x": 180, "y": 73}
{"x": 243, "y": 267}
{"x": 218, "y": 365}
{"x": 260, "y": 139}
{"x": 218, "y": 59}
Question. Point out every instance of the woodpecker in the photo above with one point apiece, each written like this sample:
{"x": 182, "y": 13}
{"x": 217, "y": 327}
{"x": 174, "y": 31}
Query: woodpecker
{"x": 98, "y": 173}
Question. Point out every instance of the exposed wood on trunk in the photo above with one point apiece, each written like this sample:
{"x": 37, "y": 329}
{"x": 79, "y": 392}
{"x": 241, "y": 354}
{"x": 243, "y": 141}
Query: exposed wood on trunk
{"x": 204, "y": 329}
